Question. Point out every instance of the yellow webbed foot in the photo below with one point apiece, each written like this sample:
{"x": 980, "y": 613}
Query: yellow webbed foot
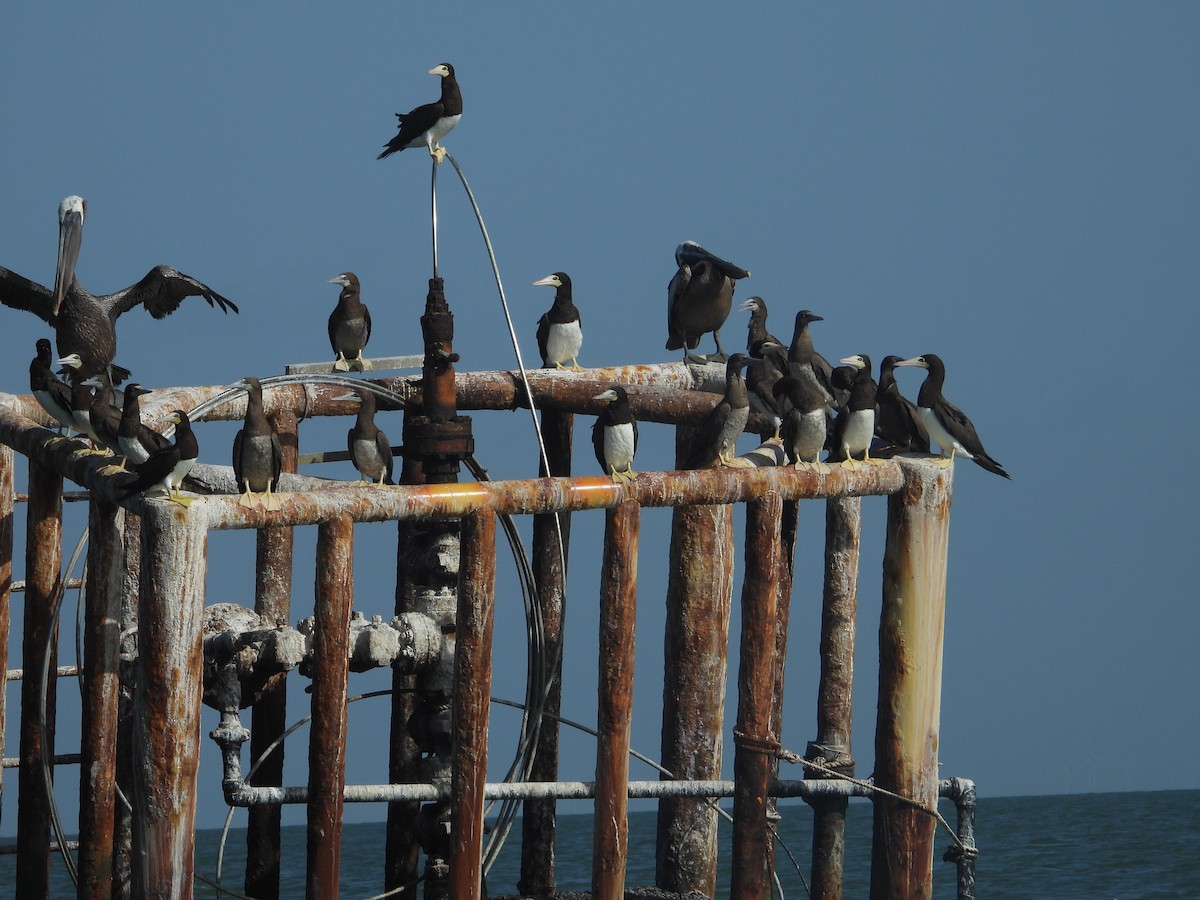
{"x": 340, "y": 364}
{"x": 575, "y": 366}
{"x": 438, "y": 153}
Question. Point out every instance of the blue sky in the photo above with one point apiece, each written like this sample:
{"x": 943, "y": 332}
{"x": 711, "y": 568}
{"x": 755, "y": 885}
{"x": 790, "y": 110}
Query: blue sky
{"x": 1011, "y": 186}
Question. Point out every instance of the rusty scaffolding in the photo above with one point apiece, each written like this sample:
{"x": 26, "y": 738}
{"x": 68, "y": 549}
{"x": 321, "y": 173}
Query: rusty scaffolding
{"x": 153, "y": 654}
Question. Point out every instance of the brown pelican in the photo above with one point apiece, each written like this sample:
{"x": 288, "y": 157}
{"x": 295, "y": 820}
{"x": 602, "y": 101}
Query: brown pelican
{"x": 85, "y": 324}
{"x": 429, "y": 123}
{"x": 699, "y": 297}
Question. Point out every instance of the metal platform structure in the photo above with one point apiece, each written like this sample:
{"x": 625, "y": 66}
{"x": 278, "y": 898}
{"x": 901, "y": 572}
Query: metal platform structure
{"x": 155, "y": 653}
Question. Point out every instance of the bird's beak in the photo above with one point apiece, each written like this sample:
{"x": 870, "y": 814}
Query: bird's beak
{"x": 747, "y": 305}
{"x": 549, "y": 279}
{"x": 915, "y": 361}
{"x": 71, "y": 359}
{"x": 338, "y": 280}
{"x": 436, "y": 70}
{"x": 70, "y": 234}
{"x": 852, "y": 361}
{"x": 607, "y": 395}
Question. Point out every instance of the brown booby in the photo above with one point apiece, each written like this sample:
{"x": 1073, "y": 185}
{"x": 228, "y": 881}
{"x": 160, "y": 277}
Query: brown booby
{"x": 349, "y": 325}
{"x": 615, "y": 435}
{"x": 897, "y": 423}
{"x": 856, "y": 420}
{"x": 52, "y": 393}
{"x": 715, "y": 438}
{"x": 257, "y": 454}
{"x": 105, "y": 420}
{"x": 560, "y": 331}
{"x": 805, "y": 421}
{"x": 757, "y": 334}
{"x": 136, "y": 440}
{"x": 429, "y": 123}
{"x": 946, "y": 423}
{"x": 761, "y": 377}
{"x": 370, "y": 449}
{"x": 803, "y": 359}
{"x": 699, "y": 297}
{"x": 85, "y": 324}
{"x": 165, "y": 469}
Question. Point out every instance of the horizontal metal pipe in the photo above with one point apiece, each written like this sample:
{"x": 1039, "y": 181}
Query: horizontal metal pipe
{"x": 59, "y": 672}
{"x": 60, "y": 759}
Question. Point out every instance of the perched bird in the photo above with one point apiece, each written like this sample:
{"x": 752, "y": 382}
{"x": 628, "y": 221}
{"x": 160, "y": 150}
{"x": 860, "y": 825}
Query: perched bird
{"x": 428, "y": 124}
{"x": 757, "y": 334}
{"x": 349, "y": 325}
{"x": 105, "y": 419}
{"x": 615, "y": 435}
{"x": 136, "y": 440}
{"x": 855, "y": 425}
{"x": 165, "y": 469}
{"x": 85, "y": 324}
{"x": 699, "y": 297}
{"x": 897, "y": 423}
{"x": 51, "y": 392}
{"x": 257, "y": 454}
{"x": 945, "y": 422}
{"x": 560, "y": 332}
{"x": 804, "y": 419}
{"x": 761, "y": 377}
{"x": 81, "y": 407}
{"x": 803, "y": 359}
{"x": 370, "y": 450}
{"x": 715, "y": 438}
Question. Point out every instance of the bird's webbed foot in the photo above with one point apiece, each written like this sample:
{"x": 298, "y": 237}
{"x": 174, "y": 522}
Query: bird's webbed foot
{"x": 180, "y": 498}
{"x": 575, "y": 366}
{"x": 438, "y": 153}
{"x": 340, "y": 364}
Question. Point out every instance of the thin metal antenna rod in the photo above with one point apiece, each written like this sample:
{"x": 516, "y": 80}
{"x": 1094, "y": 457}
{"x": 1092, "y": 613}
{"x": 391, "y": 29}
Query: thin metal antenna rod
{"x": 433, "y": 207}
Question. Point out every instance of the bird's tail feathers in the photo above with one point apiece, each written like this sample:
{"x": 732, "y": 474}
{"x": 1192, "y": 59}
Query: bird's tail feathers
{"x": 991, "y": 465}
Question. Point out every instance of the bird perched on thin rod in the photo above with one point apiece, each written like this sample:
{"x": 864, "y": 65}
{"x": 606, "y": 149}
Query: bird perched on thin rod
{"x": 560, "y": 329}
{"x": 946, "y": 423}
{"x": 429, "y": 123}
{"x": 85, "y": 324}
{"x": 699, "y": 298}
{"x": 257, "y": 453}
{"x": 615, "y": 435}
{"x": 349, "y": 325}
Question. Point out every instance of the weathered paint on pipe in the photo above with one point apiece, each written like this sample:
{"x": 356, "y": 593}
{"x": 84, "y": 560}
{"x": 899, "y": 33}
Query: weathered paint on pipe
{"x": 699, "y": 594}
{"x": 6, "y": 580}
{"x": 754, "y": 741}
{"x": 43, "y": 559}
{"x": 538, "y": 819}
{"x": 843, "y": 518}
{"x": 618, "y": 615}
{"x": 472, "y": 696}
{"x": 964, "y": 853}
{"x": 101, "y": 691}
{"x": 327, "y": 733}
{"x": 910, "y": 673}
{"x": 272, "y": 601}
{"x": 788, "y": 527}
{"x": 166, "y": 744}
{"x": 130, "y": 594}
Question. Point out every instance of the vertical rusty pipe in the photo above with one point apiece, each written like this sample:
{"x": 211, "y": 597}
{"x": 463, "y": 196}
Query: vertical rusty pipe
{"x": 910, "y": 687}
{"x": 755, "y": 744}
{"x": 472, "y": 695}
{"x": 330, "y": 675}
{"x": 696, "y": 641}
{"x": 6, "y": 558}
{"x": 831, "y": 747}
{"x": 130, "y": 592}
{"x": 101, "y": 693}
{"x": 618, "y": 614}
{"x": 538, "y": 816}
{"x": 166, "y": 728}
{"x": 788, "y": 527}
{"x": 43, "y": 559}
{"x": 272, "y": 601}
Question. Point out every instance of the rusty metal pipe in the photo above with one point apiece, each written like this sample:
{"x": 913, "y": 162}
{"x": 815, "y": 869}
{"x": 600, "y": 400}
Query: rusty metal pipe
{"x": 6, "y": 580}
{"x": 755, "y": 743}
{"x": 910, "y": 679}
{"x": 101, "y": 690}
{"x": 618, "y": 615}
{"x": 473, "y": 688}
{"x": 272, "y": 600}
{"x": 330, "y": 675}
{"x": 166, "y": 744}
{"x": 843, "y": 517}
{"x": 43, "y": 559}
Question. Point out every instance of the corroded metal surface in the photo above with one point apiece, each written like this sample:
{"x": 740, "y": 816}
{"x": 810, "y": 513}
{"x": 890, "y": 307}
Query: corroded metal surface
{"x": 472, "y": 697}
{"x": 6, "y": 572}
{"x": 166, "y": 741}
{"x": 753, "y": 739}
{"x": 618, "y": 615}
{"x": 272, "y": 600}
{"x": 699, "y": 593}
{"x": 843, "y": 517}
{"x": 538, "y": 819}
{"x": 101, "y": 690}
{"x": 43, "y": 558}
{"x": 333, "y": 599}
{"x": 910, "y": 677}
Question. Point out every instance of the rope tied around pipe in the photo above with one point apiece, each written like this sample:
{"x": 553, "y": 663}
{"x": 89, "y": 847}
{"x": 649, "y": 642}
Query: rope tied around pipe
{"x": 769, "y": 745}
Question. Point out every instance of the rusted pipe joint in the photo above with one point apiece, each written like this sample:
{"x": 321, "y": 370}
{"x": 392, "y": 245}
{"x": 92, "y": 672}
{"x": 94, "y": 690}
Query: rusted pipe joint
{"x": 256, "y": 649}
{"x": 412, "y": 643}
